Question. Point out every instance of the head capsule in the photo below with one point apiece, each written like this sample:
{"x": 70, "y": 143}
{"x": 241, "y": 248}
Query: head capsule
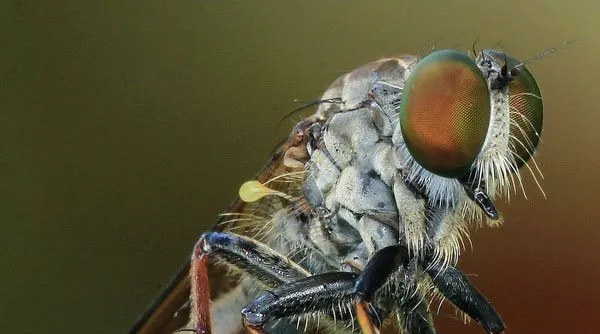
{"x": 464, "y": 118}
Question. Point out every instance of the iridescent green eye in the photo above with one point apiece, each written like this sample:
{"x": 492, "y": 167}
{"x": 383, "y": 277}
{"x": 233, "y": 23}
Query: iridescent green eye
{"x": 445, "y": 112}
{"x": 526, "y": 109}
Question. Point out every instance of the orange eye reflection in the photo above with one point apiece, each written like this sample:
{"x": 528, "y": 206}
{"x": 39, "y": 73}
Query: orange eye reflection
{"x": 445, "y": 112}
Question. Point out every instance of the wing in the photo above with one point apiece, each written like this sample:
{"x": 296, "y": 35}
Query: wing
{"x": 170, "y": 311}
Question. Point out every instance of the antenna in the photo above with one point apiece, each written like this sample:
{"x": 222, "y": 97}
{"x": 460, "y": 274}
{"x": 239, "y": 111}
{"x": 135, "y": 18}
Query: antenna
{"x": 562, "y": 46}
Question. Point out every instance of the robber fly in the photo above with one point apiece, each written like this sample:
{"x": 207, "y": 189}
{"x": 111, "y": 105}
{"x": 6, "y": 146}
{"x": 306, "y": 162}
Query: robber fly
{"x": 358, "y": 219}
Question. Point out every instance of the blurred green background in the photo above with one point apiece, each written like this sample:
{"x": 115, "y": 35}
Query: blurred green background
{"x": 127, "y": 126}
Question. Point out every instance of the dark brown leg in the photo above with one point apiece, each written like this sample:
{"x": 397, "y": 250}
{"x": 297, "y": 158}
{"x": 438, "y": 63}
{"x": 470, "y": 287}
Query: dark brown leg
{"x": 200, "y": 291}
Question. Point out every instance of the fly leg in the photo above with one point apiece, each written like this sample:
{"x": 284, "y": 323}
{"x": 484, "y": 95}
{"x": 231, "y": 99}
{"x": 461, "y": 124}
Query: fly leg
{"x": 452, "y": 283}
{"x": 455, "y": 287}
{"x": 376, "y": 273}
{"x": 255, "y": 258}
{"x": 200, "y": 291}
{"x": 321, "y": 292}
{"x": 329, "y": 291}
{"x": 412, "y": 308}
{"x": 325, "y": 292}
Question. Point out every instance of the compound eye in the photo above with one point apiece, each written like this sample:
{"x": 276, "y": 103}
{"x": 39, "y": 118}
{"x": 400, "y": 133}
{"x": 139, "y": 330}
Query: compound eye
{"x": 445, "y": 112}
{"x": 526, "y": 109}
{"x": 527, "y": 115}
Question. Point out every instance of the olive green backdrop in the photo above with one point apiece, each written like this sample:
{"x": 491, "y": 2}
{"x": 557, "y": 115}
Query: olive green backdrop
{"x": 127, "y": 126}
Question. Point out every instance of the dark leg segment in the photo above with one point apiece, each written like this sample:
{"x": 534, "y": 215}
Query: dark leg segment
{"x": 411, "y": 306}
{"x": 377, "y": 272}
{"x": 455, "y": 286}
{"x": 260, "y": 261}
{"x": 255, "y": 258}
{"x": 380, "y": 267}
{"x": 295, "y": 292}
{"x": 325, "y": 291}
{"x": 311, "y": 294}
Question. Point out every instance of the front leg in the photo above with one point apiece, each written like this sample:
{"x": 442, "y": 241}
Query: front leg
{"x": 258, "y": 260}
{"x": 377, "y": 272}
{"x": 329, "y": 293}
{"x": 455, "y": 286}
{"x": 319, "y": 293}
{"x": 325, "y": 292}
